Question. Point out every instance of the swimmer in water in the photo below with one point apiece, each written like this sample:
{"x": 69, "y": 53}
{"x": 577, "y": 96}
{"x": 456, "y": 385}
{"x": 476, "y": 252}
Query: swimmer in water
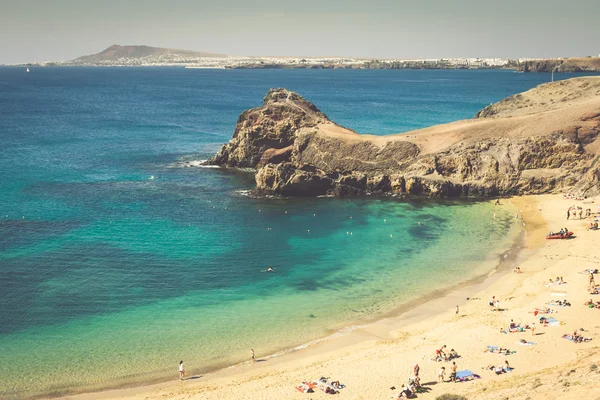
{"x": 270, "y": 269}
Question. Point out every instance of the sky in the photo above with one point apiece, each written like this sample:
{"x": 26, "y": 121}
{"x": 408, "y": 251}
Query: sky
{"x": 56, "y": 30}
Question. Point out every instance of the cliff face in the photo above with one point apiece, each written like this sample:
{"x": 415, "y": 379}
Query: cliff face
{"x": 297, "y": 151}
{"x": 589, "y": 64}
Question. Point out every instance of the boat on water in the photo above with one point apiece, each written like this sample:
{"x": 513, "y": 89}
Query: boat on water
{"x": 27, "y": 69}
{"x": 559, "y": 235}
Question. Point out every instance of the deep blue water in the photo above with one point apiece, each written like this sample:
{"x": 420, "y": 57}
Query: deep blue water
{"x": 105, "y": 247}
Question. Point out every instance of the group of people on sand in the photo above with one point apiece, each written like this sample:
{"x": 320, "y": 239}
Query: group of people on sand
{"x": 441, "y": 355}
{"x": 573, "y": 211}
{"x": 559, "y": 281}
{"x": 494, "y": 303}
{"x": 409, "y": 390}
{"x": 573, "y": 196}
{"x": 563, "y": 232}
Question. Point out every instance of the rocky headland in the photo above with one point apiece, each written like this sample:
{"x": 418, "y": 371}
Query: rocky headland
{"x": 586, "y": 64}
{"x": 544, "y": 140}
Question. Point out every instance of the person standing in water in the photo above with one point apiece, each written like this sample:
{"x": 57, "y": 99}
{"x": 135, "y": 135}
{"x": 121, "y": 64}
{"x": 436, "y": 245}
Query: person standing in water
{"x": 252, "y": 359}
{"x": 181, "y": 370}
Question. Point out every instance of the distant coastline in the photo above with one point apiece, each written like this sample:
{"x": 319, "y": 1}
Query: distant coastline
{"x": 146, "y": 56}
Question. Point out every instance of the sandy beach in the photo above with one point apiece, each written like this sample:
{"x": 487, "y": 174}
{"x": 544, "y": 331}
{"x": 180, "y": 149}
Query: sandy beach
{"x": 372, "y": 359}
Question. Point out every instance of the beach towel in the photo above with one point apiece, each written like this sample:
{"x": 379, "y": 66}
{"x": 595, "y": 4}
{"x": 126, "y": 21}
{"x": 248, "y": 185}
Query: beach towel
{"x": 518, "y": 328}
{"x": 550, "y": 321}
{"x": 555, "y": 304}
{"x": 526, "y": 343}
{"x": 495, "y": 350}
{"x": 324, "y": 384}
{"x": 466, "y": 375}
{"x": 306, "y": 387}
{"x": 544, "y": 310}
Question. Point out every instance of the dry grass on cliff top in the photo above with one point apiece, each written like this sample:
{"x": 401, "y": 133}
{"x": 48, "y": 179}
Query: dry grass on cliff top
{"x": 543, "y": 110}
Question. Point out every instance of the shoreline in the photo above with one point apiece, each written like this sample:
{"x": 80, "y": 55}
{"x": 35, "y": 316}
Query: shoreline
{"x": 353, "y": 334}
{"x": 386, "y": 349}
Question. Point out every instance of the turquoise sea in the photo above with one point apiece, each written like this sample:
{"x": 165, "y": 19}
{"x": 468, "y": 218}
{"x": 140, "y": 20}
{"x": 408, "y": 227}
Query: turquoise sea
{"x": 115, "y": 265}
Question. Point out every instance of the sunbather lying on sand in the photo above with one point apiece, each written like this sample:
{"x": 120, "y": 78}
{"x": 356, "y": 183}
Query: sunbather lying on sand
{"x": 498, "y": 350}
{"x": 590, "y": 303}
{"x": 560, "y": 303}
{"x": 576, "y": 338}
{"x": 543, "y": 310}
{"x": 499, "y": 369}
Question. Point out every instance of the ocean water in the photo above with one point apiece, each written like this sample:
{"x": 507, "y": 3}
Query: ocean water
{"x": 115, "y": 265}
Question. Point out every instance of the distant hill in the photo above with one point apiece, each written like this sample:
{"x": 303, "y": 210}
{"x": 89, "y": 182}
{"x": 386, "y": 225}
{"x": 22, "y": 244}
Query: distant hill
{"x": 115, "y": 53}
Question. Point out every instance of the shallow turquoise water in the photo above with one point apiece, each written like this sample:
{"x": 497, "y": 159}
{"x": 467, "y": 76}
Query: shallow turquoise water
{"x": 115, "y": 265}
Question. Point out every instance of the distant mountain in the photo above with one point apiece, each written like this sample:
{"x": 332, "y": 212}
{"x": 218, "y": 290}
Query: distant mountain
{"x": 118, "y": 54}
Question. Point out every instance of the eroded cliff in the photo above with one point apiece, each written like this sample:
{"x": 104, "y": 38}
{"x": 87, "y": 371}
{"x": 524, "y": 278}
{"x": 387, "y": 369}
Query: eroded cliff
{"x": 515, "y": 147}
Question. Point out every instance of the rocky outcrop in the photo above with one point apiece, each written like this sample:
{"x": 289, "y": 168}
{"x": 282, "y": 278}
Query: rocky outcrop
{"x": 263, "y": 132}
{"x": 297, "y": 151}
{"x": 588, "y": 64}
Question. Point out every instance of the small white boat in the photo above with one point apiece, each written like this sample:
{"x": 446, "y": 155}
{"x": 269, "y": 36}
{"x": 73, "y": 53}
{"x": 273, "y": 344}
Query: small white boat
{"x": 27, "y": 70}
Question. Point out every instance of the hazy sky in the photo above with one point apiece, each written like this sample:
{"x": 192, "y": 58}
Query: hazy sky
{"x": 41, "y": 30}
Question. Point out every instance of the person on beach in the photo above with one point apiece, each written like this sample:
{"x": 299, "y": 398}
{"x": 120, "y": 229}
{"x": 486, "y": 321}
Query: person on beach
{"x": 517, "y": 270}
{"x": 532, "y": 327}
{"x": 592, "y": 282}
{"x": 416, "y": 370}
{"x": 452, "y": 354}
{"x": 492, "y": 302}
{"x": 181, "y": 370}
{"x": 456, "y": 310}
{"x": 497, "y": 305}
{"x": 441, "y": 373}
{"x": 439, "y": 354}
{"x": 252, "y": 359}
{"x": 453, "y": 372}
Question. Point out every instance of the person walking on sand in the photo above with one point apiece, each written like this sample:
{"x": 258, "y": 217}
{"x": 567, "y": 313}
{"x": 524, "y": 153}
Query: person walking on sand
{"x": 453, "y": 373}
{"x": 456, "y": 310}
{"x": 252, "y": 359}
{"x": 181, "y": 370}
{"x": 592, "y": 282}
{"x": 532, "y": 326}
{"x": 416, "y": 370}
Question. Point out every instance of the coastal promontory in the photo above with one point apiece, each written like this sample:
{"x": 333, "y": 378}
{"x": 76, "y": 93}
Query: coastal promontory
{"x": 544, "y": 140}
